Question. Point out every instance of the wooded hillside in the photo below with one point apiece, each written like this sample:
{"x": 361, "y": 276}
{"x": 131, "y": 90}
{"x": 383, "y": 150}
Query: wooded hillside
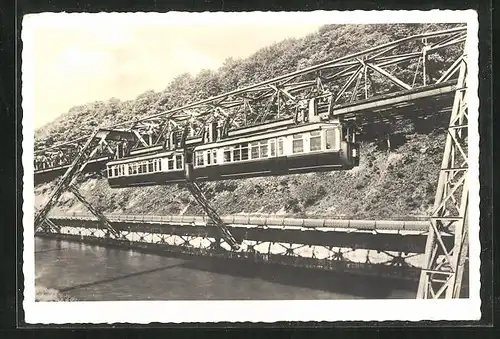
{"x": 395, "y": 183}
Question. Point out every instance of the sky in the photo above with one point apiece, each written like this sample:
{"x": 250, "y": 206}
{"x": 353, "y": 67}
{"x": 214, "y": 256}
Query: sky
{"x": 87, "y": 61}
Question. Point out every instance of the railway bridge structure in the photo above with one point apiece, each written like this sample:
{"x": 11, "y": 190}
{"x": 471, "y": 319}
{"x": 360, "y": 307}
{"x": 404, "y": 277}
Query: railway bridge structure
{"x": 422, "y": 78}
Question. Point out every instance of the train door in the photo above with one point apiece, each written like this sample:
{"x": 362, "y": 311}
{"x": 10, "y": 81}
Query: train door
{"x": 351, "y": 145}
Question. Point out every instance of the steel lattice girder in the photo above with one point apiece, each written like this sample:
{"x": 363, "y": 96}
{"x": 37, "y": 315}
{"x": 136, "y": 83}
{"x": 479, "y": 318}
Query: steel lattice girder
{"x": 347, "y": 80}
{"x": 444, "y": 264}
{"x": 410, "y": 242}
{"x": 282, "y": 247}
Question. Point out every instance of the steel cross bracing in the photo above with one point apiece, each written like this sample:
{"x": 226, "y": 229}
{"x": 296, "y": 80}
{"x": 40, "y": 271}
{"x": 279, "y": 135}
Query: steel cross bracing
{"x": 444, "y": 264}
{"x": 404, "y": 66}
{"x": 197, "y": 193}
{"x": 68, "y": 180}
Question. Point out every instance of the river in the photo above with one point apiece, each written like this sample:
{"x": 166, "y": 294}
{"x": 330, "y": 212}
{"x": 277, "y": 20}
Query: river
{"x": 94, "y": 273}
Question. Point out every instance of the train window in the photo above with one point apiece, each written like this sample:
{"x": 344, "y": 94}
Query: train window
{"x": 237, "y": 153}
{"x": 263, "y": 149}
{"x": 144, "y": 167}
{"x": 280, "y": 146}
{"x": 315, "y": 141}
{"x": 170, "y": 163}
{"x": 199, "y": 159}
{"x": 214, "y": 156}
{"x": 227, "y": 155}
{"x": 272, "y": 148}
{"x": 332, "y": 138}
{"x": 209, "y": 157}
{"x": 254, "y": 147}
{"x": 159, "y": 164}
{"x": 150, "y": 166}
{"x": 298, "y": 143}
{"x": 178, "y": 161}
{"x": 115, "y": 171}
{"x": 110, "y": 172}
{"x": 244, "y": 151}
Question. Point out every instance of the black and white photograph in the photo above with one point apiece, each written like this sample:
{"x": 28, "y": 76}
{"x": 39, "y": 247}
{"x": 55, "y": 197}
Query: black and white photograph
{"x": 250, "y": 167}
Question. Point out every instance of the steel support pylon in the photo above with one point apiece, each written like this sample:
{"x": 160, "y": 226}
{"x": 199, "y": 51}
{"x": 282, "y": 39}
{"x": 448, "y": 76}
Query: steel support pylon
{"x": 443, "y": 268}
{"x": 69, "y": 179}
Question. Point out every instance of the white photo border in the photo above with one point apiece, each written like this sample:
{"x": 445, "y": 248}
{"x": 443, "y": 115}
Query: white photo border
{"x": 144, "y": 312}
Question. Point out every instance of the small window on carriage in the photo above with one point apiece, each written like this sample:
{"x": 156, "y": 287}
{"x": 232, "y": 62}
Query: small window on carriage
{"x": 144, "y": 167}
{"x": 332, "y": 138}
{"x": 150, "y": 166}
{"x": 170, "y": 164}
{"x": 244, "y": 152}
{"x": 110, "y": 172}
{"x": 280, "y": 146}
{"x": 214, "y": 156}
{"x": 115, "y": 171}
{"x": 178, "y": 161}
{"x": 159, "y": 164}
{"x": 209, "y": 157}
{"x": 272, "y": 147}
{"x": 199, "y": 159}
{"x": 227, "y": 154}
{"x": 263, "y": 149}
{"x": 315, "y": 141}
{"x": 237, "y": 153}
{"x": 297, "y": 143}
{"x": 254, "y": 150}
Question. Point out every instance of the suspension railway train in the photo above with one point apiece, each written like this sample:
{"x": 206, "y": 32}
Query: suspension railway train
{"x": 281, "y": 148}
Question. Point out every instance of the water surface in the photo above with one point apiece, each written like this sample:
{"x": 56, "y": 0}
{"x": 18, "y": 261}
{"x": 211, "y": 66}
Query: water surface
{"x": 89, "y": 272}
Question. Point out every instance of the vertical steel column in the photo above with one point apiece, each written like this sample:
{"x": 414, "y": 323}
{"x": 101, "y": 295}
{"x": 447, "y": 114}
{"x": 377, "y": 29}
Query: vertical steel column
{"x": 441, "y": 276}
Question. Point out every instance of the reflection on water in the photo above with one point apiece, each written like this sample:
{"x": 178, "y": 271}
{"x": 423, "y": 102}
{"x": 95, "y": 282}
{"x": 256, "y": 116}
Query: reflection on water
{"x": 88, "y": 272}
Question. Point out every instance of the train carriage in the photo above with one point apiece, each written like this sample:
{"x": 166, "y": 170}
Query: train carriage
{"x": 146, "y": 170}
{"x": 313, "y": 147}
{"x": 310, "y": 147}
